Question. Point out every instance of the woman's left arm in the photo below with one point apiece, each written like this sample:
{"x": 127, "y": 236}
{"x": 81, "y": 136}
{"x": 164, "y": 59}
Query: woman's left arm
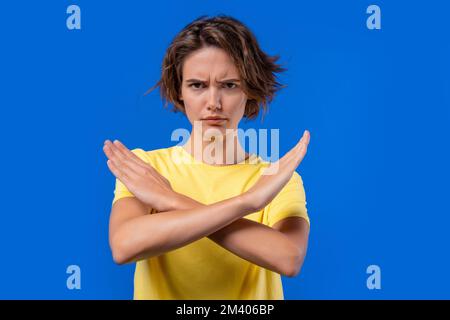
{"x": 286, "y": 241}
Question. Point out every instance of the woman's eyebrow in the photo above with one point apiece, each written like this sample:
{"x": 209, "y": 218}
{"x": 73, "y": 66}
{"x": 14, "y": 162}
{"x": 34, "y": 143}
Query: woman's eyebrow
{"x": 195, "y": 80}
{"x": 229, "y": 80}
{"x": 223, "y": 81}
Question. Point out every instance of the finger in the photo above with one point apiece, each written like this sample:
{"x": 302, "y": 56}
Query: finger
{"x": 126, "y": 152}
{"x": 304, "y": 140}
{"x": 307, "y": 137}
{"x": 291, "y": 160}
{"x": 302, "y": 146}
{"x": 107, "y": 151}
{"x": 301, "y": 154}
{"x": 118, "y": 173}
{"x": 131, "y": 167}
{"x": 112, "y": 157}
{"x": 121, "y": 160}
{"x": 294, "y": 152}
{"x": 138, "y": 161}
{"x": 122, "y": 165}
{"x": 114, "y": 150}
{"x": 295, "y": 156}
{"x": 134, "y": 161}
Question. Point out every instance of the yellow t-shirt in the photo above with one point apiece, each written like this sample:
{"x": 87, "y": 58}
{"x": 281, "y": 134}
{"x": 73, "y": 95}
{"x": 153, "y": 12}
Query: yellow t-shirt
{"x": 203, "y": 269}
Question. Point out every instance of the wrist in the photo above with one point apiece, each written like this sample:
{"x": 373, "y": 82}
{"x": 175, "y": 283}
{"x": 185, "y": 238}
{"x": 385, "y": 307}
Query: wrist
{"x": 246, "y": 203}
{"x": 182, "y": 202}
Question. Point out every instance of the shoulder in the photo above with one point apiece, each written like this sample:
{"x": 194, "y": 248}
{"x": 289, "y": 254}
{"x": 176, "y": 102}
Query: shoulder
{"x": 293, "y": 190}
{"x": 296, "y": 178}
{"x": 295, "y": 183}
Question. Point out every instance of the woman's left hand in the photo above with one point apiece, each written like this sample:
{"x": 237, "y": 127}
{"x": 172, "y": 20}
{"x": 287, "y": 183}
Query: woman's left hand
{"x": 141, "y": 179}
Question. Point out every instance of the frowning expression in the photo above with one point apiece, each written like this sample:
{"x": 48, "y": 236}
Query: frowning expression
{"x": 211, "y": 89}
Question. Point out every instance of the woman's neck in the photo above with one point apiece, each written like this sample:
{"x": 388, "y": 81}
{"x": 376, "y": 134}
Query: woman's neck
{"x": 219, "y": 149}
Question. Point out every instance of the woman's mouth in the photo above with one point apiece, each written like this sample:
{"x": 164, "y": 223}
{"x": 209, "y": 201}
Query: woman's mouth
{"x": 214, "y": 120}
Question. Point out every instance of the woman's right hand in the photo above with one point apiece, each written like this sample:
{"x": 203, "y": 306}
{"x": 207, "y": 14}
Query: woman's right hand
{"x": 139, "y": 177}
{"x": 275, "y": 176}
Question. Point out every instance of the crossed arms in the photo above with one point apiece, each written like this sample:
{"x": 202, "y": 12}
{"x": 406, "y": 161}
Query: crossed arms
{"x": 180, "y": 220}
{"x": 136, "y": 235}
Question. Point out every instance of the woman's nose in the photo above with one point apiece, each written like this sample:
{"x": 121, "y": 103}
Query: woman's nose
{"x": 214, "y": 99}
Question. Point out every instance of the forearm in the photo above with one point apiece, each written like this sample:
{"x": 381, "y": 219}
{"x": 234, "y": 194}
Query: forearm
{"x": 154, "y": 234}
{"x": 252, "y": 241}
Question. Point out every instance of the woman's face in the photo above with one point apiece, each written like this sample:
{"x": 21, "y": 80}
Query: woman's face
{"x": 211, "y": 87}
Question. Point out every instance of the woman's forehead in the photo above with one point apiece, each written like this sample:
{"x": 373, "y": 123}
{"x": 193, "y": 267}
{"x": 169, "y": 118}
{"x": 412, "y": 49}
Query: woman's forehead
{"x": 207, "y": 62}
{"x": 203, "y": 73}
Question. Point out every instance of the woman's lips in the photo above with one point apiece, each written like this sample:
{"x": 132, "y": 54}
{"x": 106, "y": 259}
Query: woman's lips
{"x": 214, "y": 121}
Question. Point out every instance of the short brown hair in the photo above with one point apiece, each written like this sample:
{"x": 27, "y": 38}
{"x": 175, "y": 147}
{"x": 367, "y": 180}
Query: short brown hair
{"x": 257, "y": 70}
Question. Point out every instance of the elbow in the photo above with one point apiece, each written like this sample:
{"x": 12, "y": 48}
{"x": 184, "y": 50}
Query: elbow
{"x": 291, "y": 272}
{"x": 119, "y": 251}
{"x": 118, "y": 257}
{"x": 293, "y": 265}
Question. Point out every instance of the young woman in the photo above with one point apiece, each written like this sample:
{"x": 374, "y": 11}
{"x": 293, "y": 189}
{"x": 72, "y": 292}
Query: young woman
{"x": 206, "y": 227}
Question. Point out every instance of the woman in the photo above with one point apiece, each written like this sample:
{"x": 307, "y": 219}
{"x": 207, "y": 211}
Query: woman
{"x": 204, "y": 227}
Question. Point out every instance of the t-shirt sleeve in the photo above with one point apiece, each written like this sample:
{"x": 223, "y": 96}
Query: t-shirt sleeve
{"x": 121, "y": 190}
{"x": 289, "y": 202}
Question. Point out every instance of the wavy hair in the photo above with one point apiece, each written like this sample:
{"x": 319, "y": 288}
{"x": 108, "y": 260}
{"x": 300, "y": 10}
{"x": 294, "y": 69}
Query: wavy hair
{"x": 257, "y": 70}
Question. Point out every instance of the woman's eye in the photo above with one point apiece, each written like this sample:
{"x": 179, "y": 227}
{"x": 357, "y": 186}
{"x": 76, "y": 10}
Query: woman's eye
{"x": 231, "y": 85}
{"x": 196, "y": 85}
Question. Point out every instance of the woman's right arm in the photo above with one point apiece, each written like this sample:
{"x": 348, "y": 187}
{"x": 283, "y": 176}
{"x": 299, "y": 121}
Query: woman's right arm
{"x": 136, "y": 235}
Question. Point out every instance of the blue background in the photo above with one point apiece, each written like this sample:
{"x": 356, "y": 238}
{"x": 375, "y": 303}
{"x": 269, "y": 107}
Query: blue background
{"x": 376, "y": 102}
